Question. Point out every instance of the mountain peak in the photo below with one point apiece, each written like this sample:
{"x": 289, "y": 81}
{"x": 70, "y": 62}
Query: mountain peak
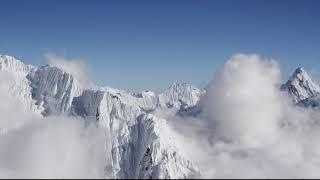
{"x": 177, "y": 84}
{"x": 301, "y": 85}
{"x": 299, "y": 70}
{"x": 10, "y": 63}
{"x": 300, "y": 74}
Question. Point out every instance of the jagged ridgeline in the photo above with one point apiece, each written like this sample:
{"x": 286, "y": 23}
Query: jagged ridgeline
{"x": 141, "y": 143}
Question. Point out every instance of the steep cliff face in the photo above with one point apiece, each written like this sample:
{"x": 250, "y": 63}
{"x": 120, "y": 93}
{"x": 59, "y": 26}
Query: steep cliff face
{"x": 53, "y": 89}
{"x": 141, "y": 145}
{"x": 157, "y": 155}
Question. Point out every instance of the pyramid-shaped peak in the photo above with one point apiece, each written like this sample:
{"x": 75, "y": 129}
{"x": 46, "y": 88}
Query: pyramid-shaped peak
{"x": 301, "y": 74}
{"x": 300, "y": 70}
{"x": 301, "y": 85}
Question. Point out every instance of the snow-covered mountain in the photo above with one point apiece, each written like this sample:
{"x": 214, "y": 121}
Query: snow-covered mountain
{"x": 141, "y": 143}
{"x": 138, "y": 138}
{"x": 303, "y": 89}
{"x": 19, "y": 86}
{"x": 301, "y": 86}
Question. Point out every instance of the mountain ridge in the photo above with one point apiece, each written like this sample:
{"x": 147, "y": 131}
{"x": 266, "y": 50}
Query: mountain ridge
{"x": 141, "y": 144}
{"x": 54, "y": 91}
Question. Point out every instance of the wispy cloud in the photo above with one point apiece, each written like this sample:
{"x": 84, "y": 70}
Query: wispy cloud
{"x": 76, "y": 67}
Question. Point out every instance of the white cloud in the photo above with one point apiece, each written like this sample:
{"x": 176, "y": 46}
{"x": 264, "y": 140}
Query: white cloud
{"x": 77, "y": 68}
{"x": 248, "y": 128}
{"x": 246, "y": 87}
{"x": 55, "y": 147}
{"x": 11, "y": 108}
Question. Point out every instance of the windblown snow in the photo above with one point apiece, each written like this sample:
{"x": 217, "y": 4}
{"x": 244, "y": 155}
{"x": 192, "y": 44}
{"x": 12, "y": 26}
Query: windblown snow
{"x": 244, "y": 124}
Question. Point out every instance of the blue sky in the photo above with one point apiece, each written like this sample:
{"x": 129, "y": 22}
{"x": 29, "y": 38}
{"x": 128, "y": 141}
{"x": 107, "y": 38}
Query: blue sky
{"x": 150, "y": 44}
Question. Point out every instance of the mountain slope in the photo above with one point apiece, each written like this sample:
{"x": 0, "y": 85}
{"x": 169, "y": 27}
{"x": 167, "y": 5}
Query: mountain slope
{"x": 140, "y": 144}
{"x": 17, "y": 81}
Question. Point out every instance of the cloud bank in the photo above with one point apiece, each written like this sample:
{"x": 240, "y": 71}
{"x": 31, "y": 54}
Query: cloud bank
{"x": 55, "y": 147}
{"x": 249, "y": 128}
{"x": 243, "y": 100}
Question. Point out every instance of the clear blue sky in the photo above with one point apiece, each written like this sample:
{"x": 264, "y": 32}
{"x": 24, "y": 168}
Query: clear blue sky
{"x": 150, "y": 44}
